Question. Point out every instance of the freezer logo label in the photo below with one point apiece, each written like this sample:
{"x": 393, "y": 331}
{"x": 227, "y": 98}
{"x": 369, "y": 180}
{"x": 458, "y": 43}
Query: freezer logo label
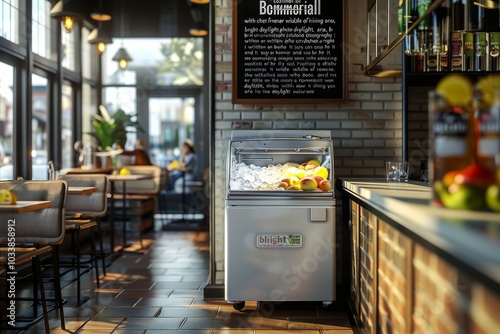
{"x": 279, "y": 240}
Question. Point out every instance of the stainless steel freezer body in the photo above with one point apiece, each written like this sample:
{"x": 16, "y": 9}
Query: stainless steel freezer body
{"x": 280, "y": 245}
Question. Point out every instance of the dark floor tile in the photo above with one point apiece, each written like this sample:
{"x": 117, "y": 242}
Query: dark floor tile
{"x": 172, "y": 301}
{"x": 242, "y": 322}
{"x": 151, "y": 323}
{"x": 188, "y": 312}
{"x": 126, "y": 312}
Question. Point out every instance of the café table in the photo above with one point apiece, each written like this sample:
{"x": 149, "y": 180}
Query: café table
{"x": 124, "y": 179}
{"x": 72, "y": 190}
{"x": 25, "y": 206}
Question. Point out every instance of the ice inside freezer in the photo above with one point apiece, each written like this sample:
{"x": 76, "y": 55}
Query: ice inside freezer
{"x": 280, "y": 165}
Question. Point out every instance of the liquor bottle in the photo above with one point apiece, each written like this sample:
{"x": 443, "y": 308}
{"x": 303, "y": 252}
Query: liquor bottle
{"x": 426, "y": 22}
{"x": 468, "y": 42}
{"x": 457, "y": 51}
{"x": 475, "y": 16}
{"x": 487, "y": 128}
{"x": 494, "y": 56}
{"x": 453, "y": 140}
{"x": 458, "y": 23}
{"x": 481, "y": 53}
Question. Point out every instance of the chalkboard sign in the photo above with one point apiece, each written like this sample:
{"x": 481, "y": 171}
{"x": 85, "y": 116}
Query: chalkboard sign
{"x": 288, "y": 51}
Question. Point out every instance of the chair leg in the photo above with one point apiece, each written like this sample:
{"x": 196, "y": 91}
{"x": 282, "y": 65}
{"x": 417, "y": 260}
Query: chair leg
{"x": 77, "y": 251}
{"x": 38, "y": 273}
{"x": 57, "y": 284}
{"x": 94, "y": 257}
{"x": 103, "y": 259}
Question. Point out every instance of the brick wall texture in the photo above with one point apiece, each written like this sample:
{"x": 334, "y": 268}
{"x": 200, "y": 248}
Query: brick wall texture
{"x": 366, "y": 129}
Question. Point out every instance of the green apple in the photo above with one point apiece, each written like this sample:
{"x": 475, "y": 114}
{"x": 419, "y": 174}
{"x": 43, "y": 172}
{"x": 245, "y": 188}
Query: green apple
{"x": 493, "y": 197}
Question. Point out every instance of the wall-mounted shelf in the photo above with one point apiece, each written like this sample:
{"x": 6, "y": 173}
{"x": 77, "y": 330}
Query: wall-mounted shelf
{"x": 381, "y": 14}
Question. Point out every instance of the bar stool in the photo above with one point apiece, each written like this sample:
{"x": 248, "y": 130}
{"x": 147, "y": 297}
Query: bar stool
{"x": 83, "y": 212}
{"x": 37, "y": 234}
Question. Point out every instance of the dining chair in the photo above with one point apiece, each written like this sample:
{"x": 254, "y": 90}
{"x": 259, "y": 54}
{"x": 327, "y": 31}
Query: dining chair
{"x": 83, "y": 212}
{"x": 32, "y": 236}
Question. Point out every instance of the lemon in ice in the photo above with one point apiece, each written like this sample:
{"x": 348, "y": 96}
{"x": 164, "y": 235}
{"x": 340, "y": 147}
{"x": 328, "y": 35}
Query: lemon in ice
{"x": 321, "y": 171}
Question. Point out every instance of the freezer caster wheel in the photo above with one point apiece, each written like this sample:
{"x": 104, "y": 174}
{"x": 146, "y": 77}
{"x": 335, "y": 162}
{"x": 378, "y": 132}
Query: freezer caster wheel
{"x": 239, "y": 306}
{"x": 327, "y": 305}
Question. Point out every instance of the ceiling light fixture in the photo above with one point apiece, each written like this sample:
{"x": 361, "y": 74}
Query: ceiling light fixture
{"x": 100, "y": 37}
{"x": 122, "y": 56}
{"x": 198, "y": 30}
{"x": 200, "y": 2}
{"x": 100, "y": 14}
{"x": 68, "y": 12}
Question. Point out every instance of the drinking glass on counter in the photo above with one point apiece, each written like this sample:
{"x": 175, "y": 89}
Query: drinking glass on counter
{"x": 392, "y": 170}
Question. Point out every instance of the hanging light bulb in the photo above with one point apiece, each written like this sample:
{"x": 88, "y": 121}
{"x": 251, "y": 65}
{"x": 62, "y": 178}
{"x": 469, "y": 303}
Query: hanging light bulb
{"x": 100, "y": 37}
{"x": 198, "y": 30}
{"x": 122, "y": 57}
{"x": 68, "y": 11}
{"x": 68, "y": 23}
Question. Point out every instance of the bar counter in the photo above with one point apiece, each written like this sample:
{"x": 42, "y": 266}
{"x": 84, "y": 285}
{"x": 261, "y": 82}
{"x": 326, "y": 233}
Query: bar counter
{"x": 415, "y": 267}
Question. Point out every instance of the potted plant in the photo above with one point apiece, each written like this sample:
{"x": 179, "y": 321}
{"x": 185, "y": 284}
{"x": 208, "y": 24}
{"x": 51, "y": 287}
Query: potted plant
{"x": 110, "y": 131}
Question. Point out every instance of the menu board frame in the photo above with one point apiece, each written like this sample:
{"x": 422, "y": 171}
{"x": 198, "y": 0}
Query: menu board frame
{"x": 283, "y": 82}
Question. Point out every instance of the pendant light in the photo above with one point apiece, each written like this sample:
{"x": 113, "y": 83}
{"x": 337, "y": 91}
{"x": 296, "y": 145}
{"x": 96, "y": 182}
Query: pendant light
{"x": 122, "y": 56}
{"x": 198, "y": 30}
{"x": 200, "y": 2}
{"x": 100, "y": 37}
{"x": 68, "y": 12}
{"x": 100, "y": 13}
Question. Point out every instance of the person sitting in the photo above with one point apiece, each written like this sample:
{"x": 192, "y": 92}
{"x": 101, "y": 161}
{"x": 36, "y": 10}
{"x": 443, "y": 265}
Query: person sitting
{"x": 184, "y": 169}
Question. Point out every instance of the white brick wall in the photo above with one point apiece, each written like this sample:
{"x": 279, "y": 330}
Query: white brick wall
{"x": 367, "y": 129}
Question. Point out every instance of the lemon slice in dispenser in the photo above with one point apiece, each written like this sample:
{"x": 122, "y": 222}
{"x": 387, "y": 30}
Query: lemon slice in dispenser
{"x": 456, "y": 89}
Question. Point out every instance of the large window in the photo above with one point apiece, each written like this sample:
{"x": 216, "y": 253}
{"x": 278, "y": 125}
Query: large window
{"x": 9, "y": 20}
{"x": 67, "y": 126}
{"x": 41, "y": 30}
{"x": 39, "y": 126}
{"x": 167, "y": 61}
{"x": 6, "y": 119}
{"x": 171, "y": 121}
{"x": 124, "y": 98}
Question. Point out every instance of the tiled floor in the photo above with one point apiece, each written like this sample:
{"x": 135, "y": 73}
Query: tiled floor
{"x": 160, "y": 290}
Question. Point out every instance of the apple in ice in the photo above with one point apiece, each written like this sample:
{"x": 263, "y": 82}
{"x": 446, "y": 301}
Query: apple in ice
{"x": 308, "y": 183}
{"x": 325, "y": 185}
{"x": 318, "y": 179}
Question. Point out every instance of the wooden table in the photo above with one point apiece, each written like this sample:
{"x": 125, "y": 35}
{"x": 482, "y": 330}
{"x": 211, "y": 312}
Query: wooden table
{"x": 124, "y": 179}
{"x": 81, "y": 190}
{"x": 25, "y": 206}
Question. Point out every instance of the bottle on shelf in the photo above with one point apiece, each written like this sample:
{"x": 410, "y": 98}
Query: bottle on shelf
{"x": 452, "y": 137}
{"x": 458, "y": 22}
{"x": 487, "y": 128}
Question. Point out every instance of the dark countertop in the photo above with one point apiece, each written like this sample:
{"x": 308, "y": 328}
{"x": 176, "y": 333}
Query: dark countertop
{"x": 467, "y": 237}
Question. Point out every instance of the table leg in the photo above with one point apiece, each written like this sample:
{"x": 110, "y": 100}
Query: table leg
{"x": 124, "y": 213}
{"x": 112, "y": 218}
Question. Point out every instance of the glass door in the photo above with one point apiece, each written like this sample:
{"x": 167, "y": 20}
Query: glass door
{"x": 171, "y": 121}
